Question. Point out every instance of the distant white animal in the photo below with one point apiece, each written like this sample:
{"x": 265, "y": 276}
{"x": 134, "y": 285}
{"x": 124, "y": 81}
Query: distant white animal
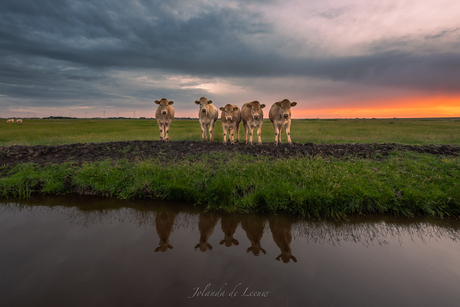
{"x": 280, "y": 115}
{"x": 208, "y": 115}
{"x": 11, "y": 120}
{"x": 252, "y": 116}
{"x": 164, "y": 116}
{"x": 19, "y": 120}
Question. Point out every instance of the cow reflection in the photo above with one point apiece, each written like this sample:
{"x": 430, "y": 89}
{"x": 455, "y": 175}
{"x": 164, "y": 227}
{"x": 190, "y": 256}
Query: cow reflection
{"x": 254, "y": 228}
{"x": 164, "y": 222}
{"x": 229, "y": 223}
{"x": 281, "y": 230}
{"x": 206, "y": 225}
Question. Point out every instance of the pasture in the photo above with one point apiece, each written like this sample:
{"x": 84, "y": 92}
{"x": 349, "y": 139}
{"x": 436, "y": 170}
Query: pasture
{"x": 68, "y": 131}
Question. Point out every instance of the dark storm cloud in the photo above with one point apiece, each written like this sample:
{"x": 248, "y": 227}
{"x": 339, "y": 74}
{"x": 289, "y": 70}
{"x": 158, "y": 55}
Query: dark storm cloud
{"x": 63, "y": 49}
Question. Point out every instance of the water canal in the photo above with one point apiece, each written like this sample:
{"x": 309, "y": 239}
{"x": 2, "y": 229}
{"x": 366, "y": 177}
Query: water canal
{"x": 88, "y": 251}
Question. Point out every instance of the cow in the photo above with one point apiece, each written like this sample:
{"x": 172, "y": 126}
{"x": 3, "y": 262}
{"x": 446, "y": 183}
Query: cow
{"x": 164, "y": 223}
{"x": 231, "y": 118}
{"x": 252, "y": 116}
{"x": 207, "y": 115}
{"x": 19, "y": 120}
{"x": 164, "y": 116}
{"x": 207, "y": 223}
{"x": 229, "y": 223}
{"x": 280, "y": 115}
{"x": 11, "y": 120}
{"x": 281, "y": 231}
{"x": 254, "y": 228}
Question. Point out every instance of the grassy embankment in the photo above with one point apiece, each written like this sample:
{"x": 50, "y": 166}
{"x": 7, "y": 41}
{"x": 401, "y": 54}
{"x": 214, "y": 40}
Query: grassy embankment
{"x": 316, "y": 186}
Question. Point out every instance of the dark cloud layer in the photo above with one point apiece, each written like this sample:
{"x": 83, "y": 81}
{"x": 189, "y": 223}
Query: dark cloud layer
{"x": 64, "y": 49}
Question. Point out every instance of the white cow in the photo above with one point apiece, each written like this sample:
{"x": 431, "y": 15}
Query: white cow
{"x": 11, "y": 120}
{"x": 253, "y": 116}
{"x": 231, "y": 118}
{"x": 164, "y": 116}
{"x": 208, "y": 115}
{"x": 280, "y": 115}
{"x": 19, "y": 120}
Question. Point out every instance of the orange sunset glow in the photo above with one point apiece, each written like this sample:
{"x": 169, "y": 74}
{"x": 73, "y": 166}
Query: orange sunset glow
{"x": 400, "y": 108}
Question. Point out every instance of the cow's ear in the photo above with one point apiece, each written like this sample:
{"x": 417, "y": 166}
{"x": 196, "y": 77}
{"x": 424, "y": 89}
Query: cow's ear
{"x": 209, "y": 101}
{"x": 157, "y": 249}
{"x": 262, "y": 106}
{"x": 294, "y": 258}
{"x": 171, "y": 102}
{"x": 170, "y": 246}
{"x": 293, "y": 104}
{"x": 249, "y": 106}
{"x": 235, "y": 241}
{"x": 197, "y": 102}
{"x": 235, "y": 108}
{"x": 157, "y": 101}
{"x": 221, "y": 108}
{"x": 278, "y": 103}
{"x": 223, "y": 241}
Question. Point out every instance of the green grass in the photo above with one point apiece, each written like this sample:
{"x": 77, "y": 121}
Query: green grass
{"x": 67, "y": 131}
{"x": 316, "y": 187}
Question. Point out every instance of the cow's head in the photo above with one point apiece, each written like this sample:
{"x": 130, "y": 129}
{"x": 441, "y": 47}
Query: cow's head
{"x": 285, "y": 107}
{"x": 203, "y": 102}
{"x": 227, "y": 112}
{"x": 164, "y": 246}
{"x": 255, "y": 108}
{"x": 163, "y": 103}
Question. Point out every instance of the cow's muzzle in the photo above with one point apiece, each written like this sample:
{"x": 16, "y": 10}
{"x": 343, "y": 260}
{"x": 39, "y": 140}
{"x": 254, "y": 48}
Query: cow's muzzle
{"x": 163, "y": 112}
{"x": 204, "y": 110}
{"x": 229, "y": 119}
{"x": 286, "y": 115}
{"x": 256, "y": 117}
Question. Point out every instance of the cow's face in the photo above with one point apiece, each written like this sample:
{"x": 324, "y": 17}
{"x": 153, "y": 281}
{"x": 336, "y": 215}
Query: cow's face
{"x": 227, "y": 112}
{"x": 255, "y": 107}
{"x": 285, "y": 107}
{"x": 203, "y": 102}
{"x": 163, "y": 103}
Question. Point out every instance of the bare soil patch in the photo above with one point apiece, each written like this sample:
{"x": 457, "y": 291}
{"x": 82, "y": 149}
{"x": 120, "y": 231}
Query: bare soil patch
{"x": 134, "y": 150}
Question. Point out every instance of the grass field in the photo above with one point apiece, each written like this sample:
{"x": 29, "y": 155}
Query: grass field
{"x": 63, "y": 131}
{"x": 401, "y": 184}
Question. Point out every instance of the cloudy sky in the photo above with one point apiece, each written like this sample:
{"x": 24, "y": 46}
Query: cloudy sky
{"x": 347, "y": 58}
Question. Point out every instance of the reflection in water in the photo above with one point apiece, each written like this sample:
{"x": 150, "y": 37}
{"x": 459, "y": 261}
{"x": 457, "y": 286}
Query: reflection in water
{"x": 164, "y": 223}
{"x": 229, "y": 223}
{"x": 280, "y": 227}
{"x": 254, "y": 227}
{"x": 206, "y": 225}
{"x": 83, "y": 251}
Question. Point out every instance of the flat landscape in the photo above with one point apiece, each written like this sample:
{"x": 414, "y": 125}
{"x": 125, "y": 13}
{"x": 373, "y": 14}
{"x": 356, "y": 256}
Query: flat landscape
{"x": 333, "y": 168}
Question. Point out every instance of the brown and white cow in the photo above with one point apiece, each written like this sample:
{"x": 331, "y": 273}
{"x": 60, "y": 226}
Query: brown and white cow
{"x": 207, "y": 115}
{"x": 280, "y": 115}
{"x": 252, "y": 116}
{"x": 164, "y": 116}
{"x": 231, "y": 118}
{"x": 229, "y": 223}
{"x": 11, "y": 120}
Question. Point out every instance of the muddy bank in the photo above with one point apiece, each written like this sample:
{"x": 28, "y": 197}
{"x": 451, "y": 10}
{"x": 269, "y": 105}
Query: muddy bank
{"x": 132, "y": 150}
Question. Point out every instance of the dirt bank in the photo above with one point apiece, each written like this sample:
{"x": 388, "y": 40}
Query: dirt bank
{"x": 132, "y": 150}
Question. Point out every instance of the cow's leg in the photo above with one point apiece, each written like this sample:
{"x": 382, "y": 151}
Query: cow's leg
{"x": 251, "y": 130}
{"x": 246, "y": 129}
{"x": 211, "y": 131}
{"x": 288, "y": 131}
{"x": 259, "y": 133}
{"x": 277, "y": 131}
{"x": 232, "y": 134}
{"x": 160, "y": 125}
{"x": 166, "y": 132}
{"x": 225, "y": 134}
{"x": 203, "y": 131}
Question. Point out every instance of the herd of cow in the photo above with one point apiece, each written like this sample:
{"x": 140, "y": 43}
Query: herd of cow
{"x": 251, "y": 114}
{"x": 11, "y": 120}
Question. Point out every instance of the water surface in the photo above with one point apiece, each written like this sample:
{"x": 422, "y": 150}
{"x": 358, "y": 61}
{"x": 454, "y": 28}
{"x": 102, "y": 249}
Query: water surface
{"x": 87, "y": 251}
